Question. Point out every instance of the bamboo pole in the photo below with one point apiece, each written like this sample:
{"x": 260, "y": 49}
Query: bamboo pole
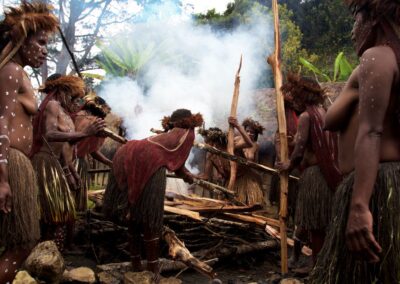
{"x": 275, "y": 61}
{"x": 238, "y": 159}
{"x": 231, "y": 133}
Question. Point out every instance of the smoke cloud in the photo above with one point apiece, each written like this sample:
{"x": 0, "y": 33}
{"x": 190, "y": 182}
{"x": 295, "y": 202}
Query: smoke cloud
{"x": 193, "y": 68}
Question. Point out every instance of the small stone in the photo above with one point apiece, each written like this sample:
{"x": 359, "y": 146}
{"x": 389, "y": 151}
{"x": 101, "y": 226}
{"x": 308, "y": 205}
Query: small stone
{"x": 170, "y": 280}
{"x": 290, "y": 281}
{"x": 45, "y": 262}
{"x": 107, "y": 278}
{"x": 23, "y": 277}
{"x": 80, "y": 275}
{"x": 144, "y": 277}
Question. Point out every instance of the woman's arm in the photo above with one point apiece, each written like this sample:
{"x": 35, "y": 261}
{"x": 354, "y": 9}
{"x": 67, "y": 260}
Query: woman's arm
{"x": 339, "y": 113}
{"x": 244, "y": 140}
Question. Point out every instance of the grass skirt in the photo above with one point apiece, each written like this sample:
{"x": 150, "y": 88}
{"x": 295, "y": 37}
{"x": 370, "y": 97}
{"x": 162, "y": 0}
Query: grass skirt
{"x": 81, "y": 195}
{"x": 148, "y": 211}
{"x": 248, "y": 187}
{"x": 21, "y": 227}
{"x": 335, "y": 263}
{"x": 115, "y": 203}
{"x": 56, "y": 201}
{"x": 314, "y": 201}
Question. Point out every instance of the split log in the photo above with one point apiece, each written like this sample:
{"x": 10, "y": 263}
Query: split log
{"x": 183, "y": 212}
{"x": 223, "y": 208}
{"x": 256, "y": 220}
{"x": 225, "y": 252}
{"x": 231, "y": 131}
{"x": 228, "y": 223}
{"x": 238, "y": 159}
{"x": 177, "y": 250}
{"x": 204, "y": 200}
{"x": 271, "y": 231}
{"x": 263, "y": 221}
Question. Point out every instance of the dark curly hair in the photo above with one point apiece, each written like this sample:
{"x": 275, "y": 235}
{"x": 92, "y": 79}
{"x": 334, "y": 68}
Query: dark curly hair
{"x": 182, "y": 118}
{"x": 303, "y": 90}
{"x": 377, "y": 9}
{"x": 214, "y": 135}
{"x": 258, "y": 128}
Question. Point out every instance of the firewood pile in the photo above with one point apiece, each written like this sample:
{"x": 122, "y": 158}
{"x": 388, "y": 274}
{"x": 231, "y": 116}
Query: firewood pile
{"x": 197, "y": 230}
{"x": 208, "y": 227}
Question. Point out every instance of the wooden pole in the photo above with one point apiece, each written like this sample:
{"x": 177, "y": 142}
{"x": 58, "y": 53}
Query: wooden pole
{"x": 240, "y": 160}
{"x": 275, "y": 61}
{"x": 231, "y": 133}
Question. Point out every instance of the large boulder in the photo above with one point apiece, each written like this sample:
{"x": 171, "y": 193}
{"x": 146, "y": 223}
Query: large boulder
{"x": 45, "y": 263}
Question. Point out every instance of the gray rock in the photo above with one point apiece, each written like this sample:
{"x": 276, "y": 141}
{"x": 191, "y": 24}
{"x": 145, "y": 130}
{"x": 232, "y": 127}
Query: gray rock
{"x": 79, "y": 275}
{"x": 45, "y": 262}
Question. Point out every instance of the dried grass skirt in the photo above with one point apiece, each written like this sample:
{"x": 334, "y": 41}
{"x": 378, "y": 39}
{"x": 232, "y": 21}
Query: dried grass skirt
{"x": 248, "y": 187}
{"x": 57, "y": 204}
{"x": 335, "y": 263}
{"x": 21, "y": 226}
{"x": 81, "y": 195}
{"x": 147, "y": 211}
{"x": 314, "y": 200}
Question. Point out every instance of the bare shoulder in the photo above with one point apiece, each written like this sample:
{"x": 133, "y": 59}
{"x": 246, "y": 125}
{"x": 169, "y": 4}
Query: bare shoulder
{"x": 304, "y": 116}
{"x": 380, "y": 57}
{"x": 11, "y": 72}
{"x": 53, "y": 107}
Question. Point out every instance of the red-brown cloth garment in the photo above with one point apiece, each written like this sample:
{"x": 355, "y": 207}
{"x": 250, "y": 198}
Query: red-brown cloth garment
{"x": 89, "y": 145}
{"x": 38, "y": 125}
{"x": 136, "y": 161}
{"x": 324, "y": 145}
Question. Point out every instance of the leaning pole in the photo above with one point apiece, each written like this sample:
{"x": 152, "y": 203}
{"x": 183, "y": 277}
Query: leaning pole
{"x": 275, "y": 61}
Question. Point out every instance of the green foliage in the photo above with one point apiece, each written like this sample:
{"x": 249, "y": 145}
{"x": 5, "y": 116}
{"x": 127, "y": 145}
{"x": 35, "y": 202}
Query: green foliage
{"x": 242, "y": 12}
{"x": 291, "y": 38}
{"x": 125, "y": 57}
{"x": 341, "y": 69}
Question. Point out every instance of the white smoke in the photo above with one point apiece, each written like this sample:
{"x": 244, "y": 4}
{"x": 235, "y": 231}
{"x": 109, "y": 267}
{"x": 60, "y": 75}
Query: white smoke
{"x": 198, "y": 74}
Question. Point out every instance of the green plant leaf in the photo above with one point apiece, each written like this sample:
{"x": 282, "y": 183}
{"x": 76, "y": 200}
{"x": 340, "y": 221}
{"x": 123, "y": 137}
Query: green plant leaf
{"x": 336, "y": 68}
{"x": 313, "y": 69}
{"x": 345, "y": 69}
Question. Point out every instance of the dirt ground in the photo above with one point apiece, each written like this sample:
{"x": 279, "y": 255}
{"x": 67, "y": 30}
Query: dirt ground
{"x": 260, "y": 267}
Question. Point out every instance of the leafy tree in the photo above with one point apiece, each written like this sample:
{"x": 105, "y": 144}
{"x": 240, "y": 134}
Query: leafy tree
{"x": 241, "y": 12}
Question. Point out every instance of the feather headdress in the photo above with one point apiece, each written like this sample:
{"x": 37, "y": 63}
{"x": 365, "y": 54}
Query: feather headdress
{"x": 304, "y": 89}
{"x": 182, "y": 118}
{"x": 20, "y": 22}
{"x": 72, "y": 85}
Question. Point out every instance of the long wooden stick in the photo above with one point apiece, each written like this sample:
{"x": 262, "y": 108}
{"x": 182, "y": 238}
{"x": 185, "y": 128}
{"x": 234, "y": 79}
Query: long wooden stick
{"x": 239, "y": 160}
{"x": 275, "y": 61}
{"x": 231, "y": 133}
